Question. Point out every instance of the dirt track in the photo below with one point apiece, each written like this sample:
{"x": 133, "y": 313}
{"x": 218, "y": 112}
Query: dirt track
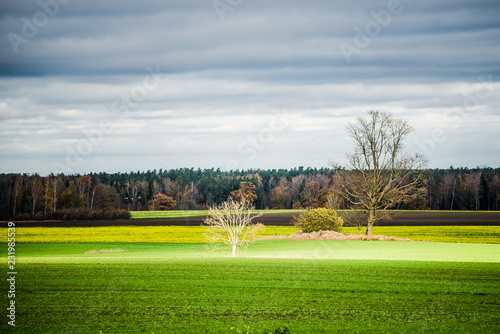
{"x": 412, "y": 218}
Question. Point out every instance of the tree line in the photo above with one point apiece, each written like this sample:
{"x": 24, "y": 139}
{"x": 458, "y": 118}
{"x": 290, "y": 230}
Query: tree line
{"x": 24, "y": 196}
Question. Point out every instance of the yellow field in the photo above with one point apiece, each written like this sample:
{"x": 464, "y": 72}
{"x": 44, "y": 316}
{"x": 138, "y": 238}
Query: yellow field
{"x": 194, "y": 234}
{"x": 170, "y": 234}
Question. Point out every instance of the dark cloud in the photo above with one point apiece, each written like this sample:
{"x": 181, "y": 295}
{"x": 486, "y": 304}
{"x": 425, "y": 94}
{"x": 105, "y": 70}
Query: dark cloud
{"x": 220, "y": 82}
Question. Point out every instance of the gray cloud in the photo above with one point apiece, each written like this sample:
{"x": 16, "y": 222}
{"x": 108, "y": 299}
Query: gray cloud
{"x": 221, "y": 82}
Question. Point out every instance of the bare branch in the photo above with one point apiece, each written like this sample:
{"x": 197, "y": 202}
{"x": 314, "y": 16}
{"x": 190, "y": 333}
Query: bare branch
{"x": 230, "y": 226}
{"x": 379, "y": 174}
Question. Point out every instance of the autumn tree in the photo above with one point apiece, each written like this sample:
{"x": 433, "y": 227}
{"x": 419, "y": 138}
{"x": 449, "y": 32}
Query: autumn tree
{"x": 281, "y": 197}
{"x": 296, "y": 186}
{"x": 246, "y": 190}
{"x": 83, "y": 185}
{"x": 67, "y": 197}
{"x": 172, "y": 189}
{"x": 379, "y": 174}
{"x": 161, "y": 202}
{"x": 316, "y": 191}
{"x": 105, "y": 198}
{"x": 48, "y": 195}
{"x": 230, "y": 224}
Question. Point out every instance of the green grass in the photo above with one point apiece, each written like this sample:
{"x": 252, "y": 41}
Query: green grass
{"x": 168, "y": 214}
{"x": 181, "y": 288}
{"x": 163, "y": 280}
{"x": 194, "y": 234}
{"x": 280, "y": 249}
{"x": 197, "y": 213}
{"x": 190, "y": 213}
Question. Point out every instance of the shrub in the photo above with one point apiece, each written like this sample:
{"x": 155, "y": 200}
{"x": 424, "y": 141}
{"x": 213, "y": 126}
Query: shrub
{"x": 320, "y": 219}
{"x": 39, "y": 216}
{"x": 122, "y": 214}
{"x": 82, "y": 214}
{"x": 22, "y": 216}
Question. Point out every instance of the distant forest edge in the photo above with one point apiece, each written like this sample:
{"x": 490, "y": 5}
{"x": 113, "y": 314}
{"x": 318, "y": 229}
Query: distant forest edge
{"x": 112, "y": 196}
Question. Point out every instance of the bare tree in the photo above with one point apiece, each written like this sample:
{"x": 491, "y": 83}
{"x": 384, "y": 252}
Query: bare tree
{"x": 230, "y": 226}
{"x": 105, "y": 197}
{"x": 34, "y": 192}
{"x": 356, "y": 218}
{"x": 83, "y": 185}
{"x": 59, "y": 188}
{"x": 281, "y": 196}
{"x": 17, "y": 195}
{"x": 295, "y": 187}
{"x": 448, "y": 189}
{"x": 133, "y": 192}
{"x": 48, "y": 194}
{"x": 473, "y": 182}
{"x": 379, "y": 174}
{"x": 494, "y": 190}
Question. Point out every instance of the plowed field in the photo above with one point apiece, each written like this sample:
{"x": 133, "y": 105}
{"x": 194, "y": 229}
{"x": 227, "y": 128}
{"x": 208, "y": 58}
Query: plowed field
{"x": 404, "y": 218}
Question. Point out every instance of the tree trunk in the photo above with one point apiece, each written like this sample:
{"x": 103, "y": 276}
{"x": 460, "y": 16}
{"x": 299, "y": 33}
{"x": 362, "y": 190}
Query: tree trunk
{"x": 14, "y": 208}
{"x": 92, "y": 198}
{"x": 45, "y": 199}
{"x": 453, "y": 195}
{"x": 55, "y": 199}
{"x": 369, "y": 229}
{"x": 371, "y": 220}
{"x": 235, "y": 248}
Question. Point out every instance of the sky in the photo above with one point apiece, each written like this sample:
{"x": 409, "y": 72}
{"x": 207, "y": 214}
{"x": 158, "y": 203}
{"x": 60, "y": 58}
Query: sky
{"x": 119, "y": 86}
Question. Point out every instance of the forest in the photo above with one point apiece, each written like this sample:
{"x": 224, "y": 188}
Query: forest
{"x": 31, "y": 196}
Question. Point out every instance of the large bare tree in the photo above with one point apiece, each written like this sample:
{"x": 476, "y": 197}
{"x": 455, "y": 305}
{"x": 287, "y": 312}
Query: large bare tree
{"x": 230, "y": 224}
{"x": 379, "y": 174}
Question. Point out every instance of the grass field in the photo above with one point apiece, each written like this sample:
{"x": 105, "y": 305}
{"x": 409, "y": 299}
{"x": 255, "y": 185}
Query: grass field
{"x": 180, "y": 288}
{"x": 124, "y": 280}
{"x": 197, "y": 213}
{"x": 190, "y": 213}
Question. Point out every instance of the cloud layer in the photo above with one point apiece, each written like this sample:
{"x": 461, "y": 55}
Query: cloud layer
{"x": 122, "y": 85}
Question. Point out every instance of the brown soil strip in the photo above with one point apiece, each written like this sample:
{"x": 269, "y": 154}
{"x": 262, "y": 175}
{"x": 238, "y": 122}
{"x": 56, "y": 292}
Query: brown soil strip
{"x": 405, "y": 218}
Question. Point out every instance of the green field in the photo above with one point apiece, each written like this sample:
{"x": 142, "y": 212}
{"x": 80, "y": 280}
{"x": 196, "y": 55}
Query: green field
{"x": 181, "y": 288}
{"x": 87, "y": 280}
{"x": 190, "y": 213}
{"x": 197, "y": 213}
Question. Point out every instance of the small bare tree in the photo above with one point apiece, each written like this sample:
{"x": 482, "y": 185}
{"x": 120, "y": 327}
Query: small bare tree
{"x": 230, "y": 226}
{"x": 356, "y": 218}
